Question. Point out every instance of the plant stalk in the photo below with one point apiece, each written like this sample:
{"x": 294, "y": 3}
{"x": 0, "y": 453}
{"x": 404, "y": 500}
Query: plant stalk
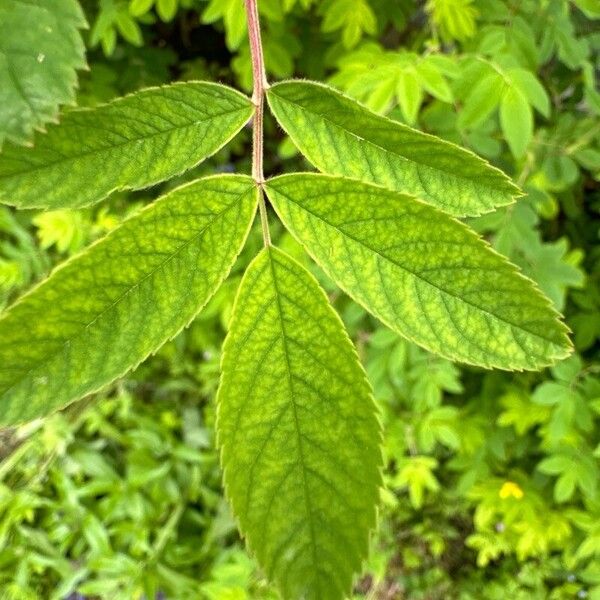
{"x": 258, "y": 98}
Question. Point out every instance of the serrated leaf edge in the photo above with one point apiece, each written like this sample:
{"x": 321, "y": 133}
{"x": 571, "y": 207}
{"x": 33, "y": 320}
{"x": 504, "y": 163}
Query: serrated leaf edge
{"x": 117, "y": 101}
{"x": 514, "y": 268}
{"x": 515, "y": 192}
{"x": 79, "y": 22}
{"x": 251, "y": 186}
{"x": 376, "y": 412}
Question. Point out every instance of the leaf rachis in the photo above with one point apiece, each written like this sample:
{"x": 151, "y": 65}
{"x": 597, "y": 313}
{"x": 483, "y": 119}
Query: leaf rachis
{"x": 258, "y": 99}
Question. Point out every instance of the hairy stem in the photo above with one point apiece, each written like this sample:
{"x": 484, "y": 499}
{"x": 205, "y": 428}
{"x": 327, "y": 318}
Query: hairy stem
{"x": 258, "y": 97}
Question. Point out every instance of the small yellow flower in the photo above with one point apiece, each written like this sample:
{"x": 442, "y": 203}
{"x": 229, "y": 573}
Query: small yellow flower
{"x": 510, "y": 488}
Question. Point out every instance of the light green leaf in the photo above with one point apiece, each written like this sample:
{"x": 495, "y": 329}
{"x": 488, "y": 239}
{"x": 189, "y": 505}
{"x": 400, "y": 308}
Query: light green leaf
{"x": 555, "y": 465}
{"x": 417, "y": 474}
{"x": 40, "y": 50}
{"x": 424, "y": 274}
{"x": 382, "y": 95}
{"x": 456, "y": 19}
{"x": 166, "y": 9}
{"x": 575, "y": 470}
{"x": 234, "y": 20}
{"x": 103, "y": 312}
{"x": 129, "y": 28}
{"x": 481, "y": 100}
{"x": 565, "y": 487}
{"x": 590, "y": 7}
{"x": 131, "y": 143}
{"x": 298, "y": 432}
{"x": 432, "y": 79}
{"x": 140, "y": 7}
{"x": 527, "y": 83}
{"x": 353, "y": 17}
{"x": 516, "y": 120}
{"x": 410, "y": 94}
{"x": 342, "y": 137}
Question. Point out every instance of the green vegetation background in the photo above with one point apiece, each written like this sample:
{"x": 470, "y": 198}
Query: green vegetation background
{"x": 493, "y": 479}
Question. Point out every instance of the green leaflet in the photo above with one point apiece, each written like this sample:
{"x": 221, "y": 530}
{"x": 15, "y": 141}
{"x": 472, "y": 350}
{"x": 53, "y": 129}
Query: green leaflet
{"x": 40, "y": 50}
{"x": 342, "y": 137}
{"x": 516, "y": 119}
{"x": 107, "y": 309}
{"x": 130, "y": 143}
{"x": 298, "y": 432}
{"x": 422, "y": 273}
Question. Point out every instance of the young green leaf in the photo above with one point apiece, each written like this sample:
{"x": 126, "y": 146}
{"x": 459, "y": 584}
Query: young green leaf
{"x": 410, "y": 94}
{"x": 342, "y": 137}
{"x": 234, "y": 20}
{"x": 166, "y": 9}
{"x": 424, "y": 274}
{"x": 353, "y": 17}
{"x": 40, "y": 50}
{"x": 516, "y": 119}
{"x": 130, "y": 143}
{"x": 482, "y": 100}
{"x": 456, "y": 19}
{"x": 527, "y": 83}
{"x": 137, "y": 8}
{"x": 298, "y": 432}
{"x": 106, "y": 310}
{"x": 431, "y": 78}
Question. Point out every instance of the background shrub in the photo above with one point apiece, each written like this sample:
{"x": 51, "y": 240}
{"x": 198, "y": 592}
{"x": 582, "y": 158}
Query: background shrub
{"x": 492, "y": 479}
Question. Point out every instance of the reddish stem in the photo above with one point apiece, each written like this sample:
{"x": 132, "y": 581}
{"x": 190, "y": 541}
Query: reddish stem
{"x": 258, "y": 98}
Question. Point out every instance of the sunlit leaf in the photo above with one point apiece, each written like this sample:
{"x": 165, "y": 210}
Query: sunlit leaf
{"x": 103, "y": 312}
{"x": 130, "y": 143}
{"x": 516, "y": 119}
{"x": 342, "y": 137}
{"x": 298, "y": 432}
{"x": 424, "y": 274}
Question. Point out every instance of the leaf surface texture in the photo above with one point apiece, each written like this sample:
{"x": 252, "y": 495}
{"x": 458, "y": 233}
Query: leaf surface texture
{"x": 40, "y": 50}
{"x": 108, "y": 308}
{"x": 341, "y": 137}
{"x": 424, "y": 274}
{"x": 130, "y": 143}
{"x": 298, "y": 432}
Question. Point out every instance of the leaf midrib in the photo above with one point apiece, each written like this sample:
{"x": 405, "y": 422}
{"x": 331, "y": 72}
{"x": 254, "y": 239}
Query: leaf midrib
{"x": 295, "y": 412}
{"x": 405, "y": 158}
{"x": 119, "y": 299}
{"x": 94, "y": 151}
{"x": 417, "y": 276}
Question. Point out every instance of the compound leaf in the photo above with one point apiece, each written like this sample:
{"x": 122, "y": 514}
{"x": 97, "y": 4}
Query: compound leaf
{"x": 130, "y": 143}
{"x": 107, "y": 309}
{"x": 341, "y": 137}
{"x": 298, "y": 432}
{"x": 40, "y": 51}
{"x": 424, "y": 274}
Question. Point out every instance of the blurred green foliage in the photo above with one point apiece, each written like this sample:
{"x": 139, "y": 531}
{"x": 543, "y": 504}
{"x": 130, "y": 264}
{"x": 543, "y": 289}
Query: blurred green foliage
{"x": 492, "y": 479}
